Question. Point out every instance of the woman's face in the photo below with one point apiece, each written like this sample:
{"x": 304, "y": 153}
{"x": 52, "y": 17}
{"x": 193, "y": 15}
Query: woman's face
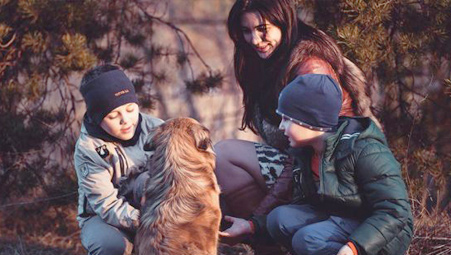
{"x": 122, "y": 121}
{"x": 263, "y": 36}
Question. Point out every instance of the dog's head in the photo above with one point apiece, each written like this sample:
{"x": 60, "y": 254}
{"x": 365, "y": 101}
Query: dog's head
{"x": 183, "y": 140}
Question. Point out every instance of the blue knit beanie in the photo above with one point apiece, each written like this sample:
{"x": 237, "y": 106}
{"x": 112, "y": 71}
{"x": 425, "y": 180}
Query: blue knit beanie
{"x": 107, "y": 92}
{"x": 311, "y": 100}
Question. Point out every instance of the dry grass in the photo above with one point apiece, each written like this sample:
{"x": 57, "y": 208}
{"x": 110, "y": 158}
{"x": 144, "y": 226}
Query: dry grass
{"x": 40, "y": 230}
{"x": 432, "y": 234}
{"x": 53, "y": 231}
{"x": 22, "y": 247}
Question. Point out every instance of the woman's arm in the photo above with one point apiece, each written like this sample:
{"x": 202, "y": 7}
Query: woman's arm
{"x": 316, "y": 65}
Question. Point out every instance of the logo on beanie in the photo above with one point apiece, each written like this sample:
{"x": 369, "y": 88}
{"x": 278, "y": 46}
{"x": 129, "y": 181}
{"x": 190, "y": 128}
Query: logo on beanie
{"x": 122, "y": 92}
{"x": 102, "y": 151}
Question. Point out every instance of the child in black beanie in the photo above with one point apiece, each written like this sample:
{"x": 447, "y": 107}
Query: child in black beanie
{"x": 111, "y": 143}
{"x": 349, "y": 195}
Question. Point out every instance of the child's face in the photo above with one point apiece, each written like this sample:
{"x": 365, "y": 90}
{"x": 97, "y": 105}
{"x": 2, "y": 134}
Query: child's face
{"x": 122, "y": 121}
{"x": 298, "y": 135}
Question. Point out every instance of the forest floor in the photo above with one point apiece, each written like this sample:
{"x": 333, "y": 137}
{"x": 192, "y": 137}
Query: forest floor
{"x": 54, "y": 231}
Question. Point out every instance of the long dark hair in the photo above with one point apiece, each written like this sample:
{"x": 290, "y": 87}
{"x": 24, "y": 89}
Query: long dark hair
{"x": 261, "y": 80}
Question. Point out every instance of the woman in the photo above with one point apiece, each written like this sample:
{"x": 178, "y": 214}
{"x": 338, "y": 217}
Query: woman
{"x": 272, "y": 47}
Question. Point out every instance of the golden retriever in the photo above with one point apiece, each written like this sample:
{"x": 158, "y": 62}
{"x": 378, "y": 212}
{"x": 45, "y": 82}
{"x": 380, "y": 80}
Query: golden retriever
{"x": 181, "y": 213}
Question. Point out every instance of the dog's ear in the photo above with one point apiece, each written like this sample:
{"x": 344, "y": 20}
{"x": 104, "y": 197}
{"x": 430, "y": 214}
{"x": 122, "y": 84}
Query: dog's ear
{"x": 202, "y": 138}
{"x": 204, "y": 144}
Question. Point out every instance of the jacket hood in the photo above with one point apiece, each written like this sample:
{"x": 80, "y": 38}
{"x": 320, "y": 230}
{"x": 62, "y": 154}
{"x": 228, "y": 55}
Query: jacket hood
{"x": 350, "y": 130}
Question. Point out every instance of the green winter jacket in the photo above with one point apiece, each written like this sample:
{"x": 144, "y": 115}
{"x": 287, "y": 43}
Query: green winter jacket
{"x": 360, "y": 178}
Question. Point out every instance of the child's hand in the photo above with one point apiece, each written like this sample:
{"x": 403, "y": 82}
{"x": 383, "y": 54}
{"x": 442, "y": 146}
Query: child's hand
{"x": 345, "y": 250}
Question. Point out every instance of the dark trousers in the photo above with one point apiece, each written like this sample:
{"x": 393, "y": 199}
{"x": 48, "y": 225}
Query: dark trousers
{"x": 100, "y": 238}
{"x": 306, "y": 230}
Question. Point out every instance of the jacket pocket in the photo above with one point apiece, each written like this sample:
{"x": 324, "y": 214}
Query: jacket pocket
{"x": 87, "y": 210}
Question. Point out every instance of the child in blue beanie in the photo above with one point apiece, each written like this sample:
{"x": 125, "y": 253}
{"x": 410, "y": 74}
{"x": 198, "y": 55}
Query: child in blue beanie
{"x": 111, "y": 144}
{"x": 349, "y": 195}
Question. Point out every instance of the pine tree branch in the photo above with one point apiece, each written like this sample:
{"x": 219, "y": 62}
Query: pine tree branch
{"x": 6, "y": 45}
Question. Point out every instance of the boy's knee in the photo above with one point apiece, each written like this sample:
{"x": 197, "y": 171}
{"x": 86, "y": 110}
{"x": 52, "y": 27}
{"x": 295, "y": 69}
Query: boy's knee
{"x": 105, "y": 246}
{"x": 304, "y": 242}
{"x": 105, "y": 241}
{"x": 277, "y": 223}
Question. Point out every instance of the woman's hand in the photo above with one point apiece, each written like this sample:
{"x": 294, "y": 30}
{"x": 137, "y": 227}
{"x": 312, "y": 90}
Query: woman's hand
{"x": 239, "y": 230}
{"x": 345, "y": 250}
{"x": 239, "y": 227}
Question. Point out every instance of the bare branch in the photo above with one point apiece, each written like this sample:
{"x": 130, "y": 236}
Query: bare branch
{"x": 180, "y": 33}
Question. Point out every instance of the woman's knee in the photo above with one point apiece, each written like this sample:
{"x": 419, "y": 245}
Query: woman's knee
{"x": 236, "y": 160}
{"x": 224, "y": 156}
{"x": 233, "y": 151}
{"x": 224, "y": 148}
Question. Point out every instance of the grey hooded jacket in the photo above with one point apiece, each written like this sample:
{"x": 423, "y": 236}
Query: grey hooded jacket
{"x": 100, "y": 167}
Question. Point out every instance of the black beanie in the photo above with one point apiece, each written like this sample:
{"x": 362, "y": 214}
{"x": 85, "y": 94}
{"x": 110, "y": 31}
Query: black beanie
{"x": 107, "y": 92}
{"x": 311, "y": 100}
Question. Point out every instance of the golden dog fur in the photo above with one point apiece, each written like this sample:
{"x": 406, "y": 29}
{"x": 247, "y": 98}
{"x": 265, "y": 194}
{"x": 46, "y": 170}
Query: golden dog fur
{"x": 181, "y": 213}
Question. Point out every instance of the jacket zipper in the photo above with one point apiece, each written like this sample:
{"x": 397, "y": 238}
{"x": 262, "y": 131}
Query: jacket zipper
{"x": 321, "y": 179}
{"x": 125, "y": 159}
{"x": 121, "y": 161}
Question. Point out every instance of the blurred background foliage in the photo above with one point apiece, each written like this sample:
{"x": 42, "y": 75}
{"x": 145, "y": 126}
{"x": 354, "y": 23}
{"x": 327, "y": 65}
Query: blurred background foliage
{"x": 45, "y": 43}
{"x": 403, "y": 46}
